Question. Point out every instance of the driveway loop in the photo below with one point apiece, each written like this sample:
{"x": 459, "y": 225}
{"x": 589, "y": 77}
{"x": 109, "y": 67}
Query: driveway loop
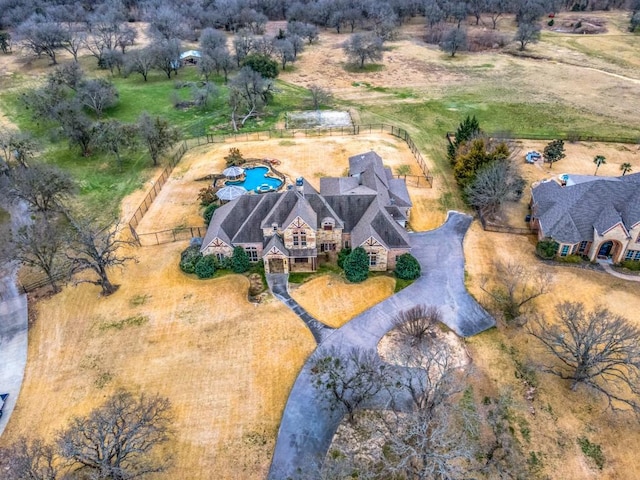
{"x": 307, "y": 427}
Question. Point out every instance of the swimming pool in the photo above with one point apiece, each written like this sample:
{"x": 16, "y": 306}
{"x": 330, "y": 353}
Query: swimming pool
{"x": 256, "y": 180}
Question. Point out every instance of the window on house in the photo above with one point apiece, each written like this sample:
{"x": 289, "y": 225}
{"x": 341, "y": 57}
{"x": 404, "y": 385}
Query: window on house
{"x": 252, "y": 253}
{"x": 347, "y": 244}
{"x": 632, "y": 255}
{"x": 373, "y": 259}
{"x": 583, "y": 247}
{"x": 220, "y": 257}
{"x": 300, "y": 238}
{"x": 565, "y": 251}
{"x": 327, "y": 226}
{"x": 300, "y": 260}
{"x": 327, "y": 247}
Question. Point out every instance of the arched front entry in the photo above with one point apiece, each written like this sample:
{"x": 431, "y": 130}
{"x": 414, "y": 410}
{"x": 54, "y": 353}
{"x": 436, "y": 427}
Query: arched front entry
{"x": 609, "y": 250}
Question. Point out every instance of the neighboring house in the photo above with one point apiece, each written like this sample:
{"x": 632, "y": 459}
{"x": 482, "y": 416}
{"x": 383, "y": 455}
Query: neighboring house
{"x": 295, "y": 229}
{"x": 594, "y": 216}
{"x": 190, "y": 57}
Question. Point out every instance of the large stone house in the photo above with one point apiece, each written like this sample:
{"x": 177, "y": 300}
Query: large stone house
{"x": 598, "y": 217}
{"x": 296, "y": 229}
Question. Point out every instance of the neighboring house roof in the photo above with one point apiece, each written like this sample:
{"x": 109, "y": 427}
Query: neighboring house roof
{"x": 570, "y": 214}
{"x": 190, "y": 53}
{"x": 368, "y": 204}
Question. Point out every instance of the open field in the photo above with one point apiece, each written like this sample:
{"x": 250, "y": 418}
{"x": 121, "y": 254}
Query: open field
{"x": 226, "y": 364}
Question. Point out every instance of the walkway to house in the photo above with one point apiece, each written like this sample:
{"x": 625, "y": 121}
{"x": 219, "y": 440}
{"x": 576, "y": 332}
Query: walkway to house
{"x": 279, "y": 286}
{"x": 607, "y": 268}
{"x": 307, "y": 427}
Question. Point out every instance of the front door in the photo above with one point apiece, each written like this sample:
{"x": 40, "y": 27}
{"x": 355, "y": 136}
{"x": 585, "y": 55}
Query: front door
{"x": 276, "y": 265}
{"x": 605, "y": 249}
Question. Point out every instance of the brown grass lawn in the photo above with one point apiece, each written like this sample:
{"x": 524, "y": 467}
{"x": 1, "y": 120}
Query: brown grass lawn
{"x": 226, "y": 365}
{"x": 334, "y": 301}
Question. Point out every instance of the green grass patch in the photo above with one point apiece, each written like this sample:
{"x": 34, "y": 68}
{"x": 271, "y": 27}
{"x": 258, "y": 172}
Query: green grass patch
{"x": 138, "y": 300}
{"x": 133, "y": 321}
{"x": 592, "y": 450}
{"x": 5, "y": 217}
{"x": 401, "y": 284}
{"x": 286, "y": 143}
{"x": 324, "y": 269}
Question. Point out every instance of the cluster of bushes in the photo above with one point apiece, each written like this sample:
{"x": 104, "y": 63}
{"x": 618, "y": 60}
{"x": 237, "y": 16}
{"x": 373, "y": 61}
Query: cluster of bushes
{"x": 205, "y": 266}
{"x": 633, "y": 265}
{"x": 547, "y": 248}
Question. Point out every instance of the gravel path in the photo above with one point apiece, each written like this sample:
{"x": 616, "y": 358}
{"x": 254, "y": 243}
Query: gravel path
{"x": 307, "y": 427}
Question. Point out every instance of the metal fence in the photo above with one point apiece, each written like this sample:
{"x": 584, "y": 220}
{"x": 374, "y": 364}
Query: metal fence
{"x": 157, "y": 187}
{"x": 488, "y": 227}
{"x": 166, "y": 236}
{"x": 567, "y": 136}
{"x": 169, "y": 236}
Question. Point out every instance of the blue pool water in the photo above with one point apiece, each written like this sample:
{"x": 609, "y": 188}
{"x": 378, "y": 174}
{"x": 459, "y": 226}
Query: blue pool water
{"x": 256, "y": 180}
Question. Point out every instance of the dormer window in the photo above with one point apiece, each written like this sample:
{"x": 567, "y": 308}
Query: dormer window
{"x": 328, "y": 223}
{"x": 274, "y": 226}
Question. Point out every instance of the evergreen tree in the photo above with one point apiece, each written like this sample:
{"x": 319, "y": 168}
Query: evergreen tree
{"x": 239, "y": 260}
{"x": 356, "y": 265}
{"x": 468, "y": 129}
{"x": 407, "y": 267}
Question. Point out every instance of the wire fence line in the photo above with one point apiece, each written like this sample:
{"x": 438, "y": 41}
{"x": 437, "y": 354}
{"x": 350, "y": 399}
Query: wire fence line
{"x": 185, "y": 233}
{"x": 568, "y": 136}
{"x": 488, "y": 227}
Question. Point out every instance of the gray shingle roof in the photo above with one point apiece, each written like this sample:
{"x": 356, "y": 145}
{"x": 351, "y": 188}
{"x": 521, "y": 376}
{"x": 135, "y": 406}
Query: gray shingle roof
{"x": 365, "y": 205}
{"x": 275, "y": 241}
{"x": 570, "y": 214}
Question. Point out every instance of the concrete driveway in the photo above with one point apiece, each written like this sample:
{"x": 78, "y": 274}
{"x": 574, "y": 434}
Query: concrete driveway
{"x": 307, "y": 427}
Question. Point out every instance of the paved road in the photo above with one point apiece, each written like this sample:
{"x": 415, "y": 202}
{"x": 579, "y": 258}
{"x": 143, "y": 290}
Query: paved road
{"x": 13, "y": 351}
{"x": 279, "y": 286}
{"x": 307, "y": 427}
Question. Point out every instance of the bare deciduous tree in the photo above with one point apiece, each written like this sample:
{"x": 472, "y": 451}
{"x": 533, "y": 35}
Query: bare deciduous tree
{"x": 139, "y": 61}
{"x": 494, "y": 185}
{"x": 597, "y": 348}
{"x": 362, "y": 47}
{"x": 157, "y": 134}
{"x": 97, "y": 248}
{"x": 348, "y": 380}
{"x": 16, "y": 146}
{"x": 418, "y": 322}
{"x": 434, "y": 438}
{"x": 40, "y": 245}
{"x": 319, "y": 96}
{"x": 515, "y": 287}
{"x": 43, "y": 187}
{"x": 97, "y": 94}
{"x": 248, "y": 93}
{"x": 116, "y": 441}
{"x": 28, "y": 460}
